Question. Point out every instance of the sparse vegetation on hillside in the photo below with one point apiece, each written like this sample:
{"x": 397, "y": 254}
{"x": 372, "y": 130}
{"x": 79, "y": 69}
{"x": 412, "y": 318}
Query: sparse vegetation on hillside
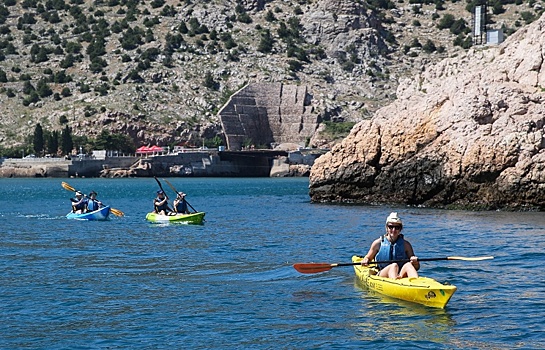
{"x": 174, "y": 61}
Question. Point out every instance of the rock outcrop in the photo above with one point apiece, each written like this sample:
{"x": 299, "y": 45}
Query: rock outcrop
{"x": 467, "y": 133}
{"x": 12, "y": 171}
{"x": 34, "y": 167}
{"x": 141, "y": 168}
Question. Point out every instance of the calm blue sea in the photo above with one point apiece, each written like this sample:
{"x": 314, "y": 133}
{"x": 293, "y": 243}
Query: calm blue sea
{"x": 229, "y": 284}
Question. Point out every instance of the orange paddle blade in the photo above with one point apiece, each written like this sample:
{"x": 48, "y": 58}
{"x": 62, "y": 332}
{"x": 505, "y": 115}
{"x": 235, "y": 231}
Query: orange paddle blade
{"x": 313, "y": 267}
{"x": 117, "y": 212}
{"x": 67, "y": 187}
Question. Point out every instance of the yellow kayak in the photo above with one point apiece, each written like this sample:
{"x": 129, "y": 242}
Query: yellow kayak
{"x": 421, "y": 290}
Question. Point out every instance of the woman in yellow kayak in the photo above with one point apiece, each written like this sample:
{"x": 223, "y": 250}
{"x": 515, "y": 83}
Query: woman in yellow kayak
{"x": 393, "y": 246}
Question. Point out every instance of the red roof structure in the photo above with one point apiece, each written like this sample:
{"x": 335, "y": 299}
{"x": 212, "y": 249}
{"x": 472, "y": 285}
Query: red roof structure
{"x": 144, "y": 150}
{"x": 155, "y": 148}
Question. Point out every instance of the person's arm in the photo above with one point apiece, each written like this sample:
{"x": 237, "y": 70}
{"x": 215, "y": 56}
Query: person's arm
{"x": 78, "y": 202}
{"x": 410, "y": 253}
{"x": 74, "y": 204}
{"x": 373, "y": 251}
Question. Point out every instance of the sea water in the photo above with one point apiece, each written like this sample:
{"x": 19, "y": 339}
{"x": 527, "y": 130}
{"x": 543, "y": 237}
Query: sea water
{"x": 230, "y": 284}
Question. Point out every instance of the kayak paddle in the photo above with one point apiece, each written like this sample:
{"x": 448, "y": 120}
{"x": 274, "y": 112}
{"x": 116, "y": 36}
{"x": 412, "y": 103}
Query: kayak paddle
{"x": 160, "y": 186}
{"x": 114, "y": 211}
{"x": 168, "y": 183}
{"x": 322, "y": 267}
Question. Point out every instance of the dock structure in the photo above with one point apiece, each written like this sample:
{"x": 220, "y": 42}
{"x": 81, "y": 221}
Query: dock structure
{"x": 201, "y": 163}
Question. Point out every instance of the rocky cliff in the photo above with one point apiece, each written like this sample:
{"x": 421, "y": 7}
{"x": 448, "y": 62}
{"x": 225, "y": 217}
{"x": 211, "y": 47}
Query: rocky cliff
{"x": 467, "y": 132}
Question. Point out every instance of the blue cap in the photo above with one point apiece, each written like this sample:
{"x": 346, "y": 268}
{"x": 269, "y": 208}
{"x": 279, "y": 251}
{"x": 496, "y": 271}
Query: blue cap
{"x": 159, "y": 192}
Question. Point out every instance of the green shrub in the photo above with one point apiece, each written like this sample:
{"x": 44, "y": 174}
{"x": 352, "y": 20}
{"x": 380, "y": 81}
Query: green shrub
{"x": 269, "y": 16}
{"x": 295, "y": 65}
{"x": 429, "y": 46}
{"x": 244, "y": 18}
{"x": 446, "y": 21}
{"x": 266, "y": 43}
{"x": 338, "y": 129}
{"x": 66, "y": 92}
{"x": 209, "y": 82}
{"x": 84, "y": 88}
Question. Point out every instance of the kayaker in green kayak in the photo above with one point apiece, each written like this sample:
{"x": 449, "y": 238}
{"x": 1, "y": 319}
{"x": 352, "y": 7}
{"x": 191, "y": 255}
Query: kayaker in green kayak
{"x": 180, "y": 205}
{"x": 393, "y": 246}
{"x": 160, "y": 203}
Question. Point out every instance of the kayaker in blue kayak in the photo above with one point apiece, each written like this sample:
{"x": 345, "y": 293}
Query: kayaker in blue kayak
{"x": 79, "y": 204}
{"x": 160, "y": 203}
{"x": 393, "y": 246}
{"x": 180, "y": 205}
{"x": 93, "y": 203}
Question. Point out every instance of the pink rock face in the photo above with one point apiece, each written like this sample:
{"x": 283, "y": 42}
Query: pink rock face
{"x": 468, "y": 132}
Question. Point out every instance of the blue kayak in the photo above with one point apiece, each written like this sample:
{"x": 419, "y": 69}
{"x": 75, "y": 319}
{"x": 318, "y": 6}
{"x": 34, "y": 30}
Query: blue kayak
{"x": 97, "y": 215}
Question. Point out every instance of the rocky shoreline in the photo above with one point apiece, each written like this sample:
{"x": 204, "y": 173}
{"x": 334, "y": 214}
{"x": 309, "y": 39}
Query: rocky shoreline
{"x": 468, "y": 132}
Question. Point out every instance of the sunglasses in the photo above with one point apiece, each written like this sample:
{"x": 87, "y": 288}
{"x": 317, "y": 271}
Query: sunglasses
{"x": 394, "y": 227}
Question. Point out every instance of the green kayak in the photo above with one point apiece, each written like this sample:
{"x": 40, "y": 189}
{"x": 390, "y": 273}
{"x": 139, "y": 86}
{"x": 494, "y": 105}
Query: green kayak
{"x": 194, "y": 218}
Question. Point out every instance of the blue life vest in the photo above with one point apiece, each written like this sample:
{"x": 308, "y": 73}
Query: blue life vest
{"x": 181, "y": 207}
{"x": 389, "y": 251}
{"x": 92, "y": 205}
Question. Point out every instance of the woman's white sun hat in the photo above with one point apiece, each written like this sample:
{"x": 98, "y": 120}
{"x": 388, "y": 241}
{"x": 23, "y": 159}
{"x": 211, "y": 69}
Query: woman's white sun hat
{"x": 393, "y": 218}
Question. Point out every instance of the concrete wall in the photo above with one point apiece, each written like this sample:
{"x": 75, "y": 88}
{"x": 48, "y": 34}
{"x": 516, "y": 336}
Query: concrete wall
{"x": 92, "y": 167}
{"x": 257, "y": 163}
{"x": 267, "y": 113}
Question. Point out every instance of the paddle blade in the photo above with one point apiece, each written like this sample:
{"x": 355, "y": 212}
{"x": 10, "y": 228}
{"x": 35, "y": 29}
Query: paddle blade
{"x": 159, "y": 183}
{"x": 312, "y": 267}
{"x": 117, "y": 212}
{"x": 478, "y": 258}
{"x": 170, "y": 185}
{"x": 67, "y": 187}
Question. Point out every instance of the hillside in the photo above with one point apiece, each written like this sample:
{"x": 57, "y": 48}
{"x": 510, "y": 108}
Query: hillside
{"x": 158, "y": 71}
